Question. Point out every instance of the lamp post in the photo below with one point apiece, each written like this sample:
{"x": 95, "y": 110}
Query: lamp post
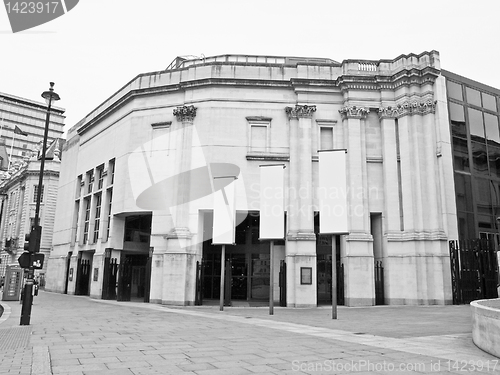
{"x": 49, "y": 96}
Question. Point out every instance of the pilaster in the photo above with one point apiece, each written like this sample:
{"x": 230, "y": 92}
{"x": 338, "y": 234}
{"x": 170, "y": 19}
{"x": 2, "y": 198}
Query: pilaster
{"x": 358, "y": 256}
{"x": 390, "y": 170}
{"x": 353, "y": 118}
{"x": 178, "y": 271}
{"x": 184, "y": 138}
{"x": 301, "y": 240}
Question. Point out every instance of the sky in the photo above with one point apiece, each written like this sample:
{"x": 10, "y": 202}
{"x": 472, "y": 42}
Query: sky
{"x": 100, "y": 45}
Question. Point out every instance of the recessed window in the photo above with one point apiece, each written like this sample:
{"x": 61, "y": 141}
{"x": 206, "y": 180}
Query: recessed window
{"x": 326, "y": 138}
{"x": 100, "y": 176}
{"x": 97, "y": 216}
{"x": 87, "y": 221}
{"x": 258, "y": 133}
{"x": 258, "y": 138}
{"x": 90, "y": 180}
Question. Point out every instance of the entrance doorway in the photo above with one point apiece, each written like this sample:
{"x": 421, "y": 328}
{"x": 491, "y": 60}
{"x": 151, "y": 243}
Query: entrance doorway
{"x": 83, "y": 269}
{"x": 132, "y": 277}
{"x": 247, "y": 266}
{"x": 324, "y": 243}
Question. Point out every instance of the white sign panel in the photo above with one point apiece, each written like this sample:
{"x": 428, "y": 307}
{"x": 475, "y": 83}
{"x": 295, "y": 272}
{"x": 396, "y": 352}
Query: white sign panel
{"x": 332, "y": 192}
{"x": 272, "y": 214}
{"x": 224, "y": 212}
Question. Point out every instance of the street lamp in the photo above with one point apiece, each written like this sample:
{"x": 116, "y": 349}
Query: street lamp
{"x": 36, "y": 231}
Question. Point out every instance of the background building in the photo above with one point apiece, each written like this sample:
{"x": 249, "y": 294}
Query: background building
{"x": 29, "y": 117}
{"x": 135, "y": 203}
{"x": 19, "y": 172}
{"x": 18, "y": 200}
{"x": 474, "y": 121}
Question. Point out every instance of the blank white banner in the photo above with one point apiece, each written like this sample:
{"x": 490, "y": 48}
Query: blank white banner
{"x": 332, "y": 192}
{"x": 272, "y": 214}
{"x": 224, "y": 212}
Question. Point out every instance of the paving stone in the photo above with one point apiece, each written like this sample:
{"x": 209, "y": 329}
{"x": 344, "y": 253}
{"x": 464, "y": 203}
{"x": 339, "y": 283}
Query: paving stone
{"x": 140, "y": 339}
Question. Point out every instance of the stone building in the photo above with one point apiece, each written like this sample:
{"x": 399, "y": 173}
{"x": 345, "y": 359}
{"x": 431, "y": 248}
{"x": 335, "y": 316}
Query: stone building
{"x": 18, "y": 193}
{"x": 135, "y": 206}
{"x": 22, "y": 124}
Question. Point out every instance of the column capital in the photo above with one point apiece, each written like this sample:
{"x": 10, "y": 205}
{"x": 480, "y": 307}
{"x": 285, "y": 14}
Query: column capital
{"x": 408, "y": 108}
{"x": 304, "y": 111}
{"x": 185, "y": 113}
{"x": 353, "y": 112}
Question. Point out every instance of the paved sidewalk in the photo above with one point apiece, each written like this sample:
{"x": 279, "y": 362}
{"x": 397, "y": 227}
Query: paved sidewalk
{"x": 77, "y": 335}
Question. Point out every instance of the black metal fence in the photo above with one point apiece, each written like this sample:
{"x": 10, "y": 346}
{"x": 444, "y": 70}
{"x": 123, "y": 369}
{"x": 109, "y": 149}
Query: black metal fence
{"x": 474, "y": 270}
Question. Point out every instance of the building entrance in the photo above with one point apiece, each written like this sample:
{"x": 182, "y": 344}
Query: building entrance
{"x": 132, "y": 277}
{"x": 247, "y": 266}
{"x": 324, "y": 245}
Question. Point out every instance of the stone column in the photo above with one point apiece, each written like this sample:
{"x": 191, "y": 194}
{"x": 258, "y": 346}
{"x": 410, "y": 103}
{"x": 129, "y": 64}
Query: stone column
{"x": 183, "y": 141}
{"x": 412, "y": 266}
{"x": 390, "y": 155}
{"x": 179, "y": 259}
{"x": 301, "y": 240}
{"x": 359, "y": 258}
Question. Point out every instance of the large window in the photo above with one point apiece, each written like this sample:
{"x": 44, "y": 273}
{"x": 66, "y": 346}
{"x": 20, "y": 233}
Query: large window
{"x": 110, "y": 201}
{"x": 90, "y": 180}
{"x": 87, "y": 221}
{"x": 97, "y": 216}
{"x": 100, "y": 176}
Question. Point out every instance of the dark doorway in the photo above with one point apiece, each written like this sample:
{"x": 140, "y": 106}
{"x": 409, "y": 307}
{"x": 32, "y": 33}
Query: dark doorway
{"x": 83, "y": 268}
{"x": 68, "y": 267}
{"x": 247, "y": 267}
{"x": 324, "y": 243}
{"x": 132, "y": 277}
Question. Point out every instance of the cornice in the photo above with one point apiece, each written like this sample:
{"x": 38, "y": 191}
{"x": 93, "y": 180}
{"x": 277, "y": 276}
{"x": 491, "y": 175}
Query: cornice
{"x": 365, "y": 80}
{"x": 405, "y": 77}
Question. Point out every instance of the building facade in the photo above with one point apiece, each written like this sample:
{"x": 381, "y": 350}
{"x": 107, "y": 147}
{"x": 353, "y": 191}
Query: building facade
{"x": 22, "y": 124}
{"x": 135, "y": 206}
{"x": 18, "y": 193}
{"x": 29, "y": 118}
